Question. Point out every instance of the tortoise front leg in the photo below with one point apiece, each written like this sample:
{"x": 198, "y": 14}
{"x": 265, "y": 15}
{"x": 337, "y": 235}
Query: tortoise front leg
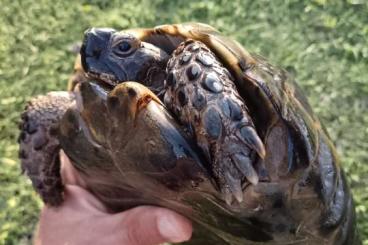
{"x": 201, "y": 92}
{"x": 39, "y": 144}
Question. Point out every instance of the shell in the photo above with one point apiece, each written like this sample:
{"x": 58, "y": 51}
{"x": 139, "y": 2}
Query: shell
{"x": 272, "y": 97}
{"x": 303, "y": 199}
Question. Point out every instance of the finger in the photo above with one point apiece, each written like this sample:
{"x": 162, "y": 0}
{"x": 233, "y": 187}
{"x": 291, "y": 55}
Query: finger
{"x": 152, "y": 225}
{"x": 81, "y": 199}
{"x": 68, "y": 173}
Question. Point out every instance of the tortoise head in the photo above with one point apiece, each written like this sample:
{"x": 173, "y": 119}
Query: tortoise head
{"x": 115, "y": 57}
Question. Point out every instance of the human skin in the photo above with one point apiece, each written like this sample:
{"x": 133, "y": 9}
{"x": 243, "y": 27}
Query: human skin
{"x": 83, "y": 219}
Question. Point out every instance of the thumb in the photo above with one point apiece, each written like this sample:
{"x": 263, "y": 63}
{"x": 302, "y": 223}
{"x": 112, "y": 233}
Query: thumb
{"x": 68, "y": 173}
{"x": 148, "y": 225}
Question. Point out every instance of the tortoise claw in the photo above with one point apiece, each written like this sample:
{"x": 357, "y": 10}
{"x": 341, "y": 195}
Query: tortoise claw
{"x": 202, "y": 94}
{"x": 235, "y": 186}
{"x": 244, "y": 164}
{"x": 251, "y": 138}
{"x": 227, "y": 196}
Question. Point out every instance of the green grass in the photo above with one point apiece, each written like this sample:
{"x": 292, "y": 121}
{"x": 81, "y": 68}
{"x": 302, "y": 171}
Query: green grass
{"x": 324, "y": 42}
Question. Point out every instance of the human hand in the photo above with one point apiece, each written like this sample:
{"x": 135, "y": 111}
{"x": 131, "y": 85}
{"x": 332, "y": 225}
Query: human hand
{"x": 82, "y": 219}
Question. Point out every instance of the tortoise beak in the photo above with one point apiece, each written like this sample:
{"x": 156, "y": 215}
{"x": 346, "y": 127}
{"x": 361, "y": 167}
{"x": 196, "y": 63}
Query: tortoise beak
{"x": 94, "y": 54}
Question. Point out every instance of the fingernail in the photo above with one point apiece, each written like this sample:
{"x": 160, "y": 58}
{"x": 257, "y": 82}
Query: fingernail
{"x": 173, "y": 228}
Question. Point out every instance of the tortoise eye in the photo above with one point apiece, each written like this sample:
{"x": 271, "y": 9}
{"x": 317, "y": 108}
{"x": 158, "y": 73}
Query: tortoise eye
{"x": 124, "y": 46}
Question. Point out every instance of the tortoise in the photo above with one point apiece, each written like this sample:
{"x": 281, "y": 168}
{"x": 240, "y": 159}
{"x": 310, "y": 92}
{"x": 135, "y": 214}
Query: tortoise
{"x": 182, "y": 117}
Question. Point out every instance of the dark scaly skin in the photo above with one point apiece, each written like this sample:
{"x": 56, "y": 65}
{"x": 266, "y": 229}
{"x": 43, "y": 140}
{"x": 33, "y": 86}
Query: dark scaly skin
{"x": 201, "y": 92}
{"x": 40, "y": 123}
{"x": 39, "y": 145}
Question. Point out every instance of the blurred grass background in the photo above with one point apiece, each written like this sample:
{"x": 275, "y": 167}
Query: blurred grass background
{"x": 324, "y": 42}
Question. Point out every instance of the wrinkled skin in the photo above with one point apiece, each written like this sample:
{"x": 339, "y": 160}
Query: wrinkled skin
{"x": 131, "y": 151}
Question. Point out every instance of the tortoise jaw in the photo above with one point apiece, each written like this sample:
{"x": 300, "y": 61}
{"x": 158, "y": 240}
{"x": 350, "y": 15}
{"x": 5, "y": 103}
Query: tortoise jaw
{"x": 102, "y": 78}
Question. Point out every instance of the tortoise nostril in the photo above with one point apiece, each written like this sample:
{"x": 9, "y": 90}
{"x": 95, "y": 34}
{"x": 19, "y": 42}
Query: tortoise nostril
{"x": 132, "y": 92}
{"x": 96, "y": 53}
{"x": 95, "y": 41}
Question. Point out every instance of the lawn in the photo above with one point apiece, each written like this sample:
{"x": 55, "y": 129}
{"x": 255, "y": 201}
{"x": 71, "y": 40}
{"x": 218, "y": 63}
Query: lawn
{"x": 324, "y": 43}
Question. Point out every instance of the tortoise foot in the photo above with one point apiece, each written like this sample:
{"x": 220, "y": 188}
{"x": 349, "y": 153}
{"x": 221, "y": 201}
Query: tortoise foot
{"x": 202, "y": 94}
{"x": 39, "y": 145}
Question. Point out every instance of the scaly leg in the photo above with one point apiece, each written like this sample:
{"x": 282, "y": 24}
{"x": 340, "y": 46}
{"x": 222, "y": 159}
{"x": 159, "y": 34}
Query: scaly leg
{"x": 202, "y": 94}
{"x": 39, "y": 144}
